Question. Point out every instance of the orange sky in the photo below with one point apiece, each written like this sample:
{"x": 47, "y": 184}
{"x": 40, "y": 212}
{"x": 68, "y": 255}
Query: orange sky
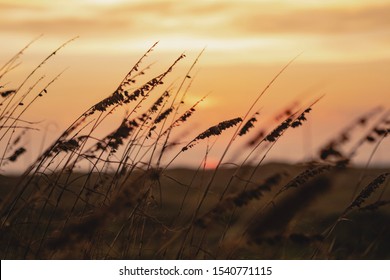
{"x": 345, "y": 45}
{"x": 354, "y": 30}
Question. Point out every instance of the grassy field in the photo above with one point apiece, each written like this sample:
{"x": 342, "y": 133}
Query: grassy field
{"x": 266, "y": 227}
{"x": 128, "y": 202}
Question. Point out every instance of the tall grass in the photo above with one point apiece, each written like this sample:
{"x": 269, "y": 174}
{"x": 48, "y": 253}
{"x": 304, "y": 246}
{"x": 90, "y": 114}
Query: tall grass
{"x": 129, "y": 202}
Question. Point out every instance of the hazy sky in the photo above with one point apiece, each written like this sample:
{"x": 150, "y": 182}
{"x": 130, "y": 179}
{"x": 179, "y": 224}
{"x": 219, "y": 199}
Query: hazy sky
{"x": 355, "y": 30}
{"x": 345, "y": 45}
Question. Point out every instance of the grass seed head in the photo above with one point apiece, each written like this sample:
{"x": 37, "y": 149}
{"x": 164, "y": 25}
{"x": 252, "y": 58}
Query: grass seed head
{"x": 213, "y": 131}
{"x": 247, "y": 126}
{"x": 163, "y": 115}
{"x": 7, "y": 93}
{"x": 368, "y": 191}
{"x": 17, "y": 154}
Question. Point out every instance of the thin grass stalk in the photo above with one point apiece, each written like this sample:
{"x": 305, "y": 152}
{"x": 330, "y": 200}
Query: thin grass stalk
{"x": 42, "y": 160}
{"x": 202, "y": 163}
{"x": 248, "y": 157}
{"x": 40, "y": 94}
{"x": 271, "y": 202}
{"x": 133, "y": 143}
{"x": 366, "y": 192}
{"x": 231, "y": 141}
{"x": 82, "y": 117}
{"x": 287, "y": 120}
{"x": 18, "y": 196}
{"x": 239, "y": 128}
{"x": 6, "y": 147}
{"x": 175, "y": 123}
{"x": 20, "y": 103}
{"x": 136, "y": 66}
{"x": 187, "y": 75}
{"x": 160, "y": 77}
{"x": 9, "y": 63}
{"x": 363, "y": 140}
{"x": 63, "y": 190}
{"x": 158, "y": 136}
{"x": 115, "y": 177}
{"x": 126, "y": 155}
{"x": 281, "y": 214}
{"x": 332, "y": 148}
{"x": 362, "y": 174}
{"x": 5, "y": 112}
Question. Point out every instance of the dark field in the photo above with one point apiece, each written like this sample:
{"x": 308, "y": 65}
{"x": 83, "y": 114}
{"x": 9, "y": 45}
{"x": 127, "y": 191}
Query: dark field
{"x": 303, "y": 222}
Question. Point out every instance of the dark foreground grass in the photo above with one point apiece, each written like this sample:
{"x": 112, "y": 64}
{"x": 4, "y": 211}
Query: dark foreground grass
{"x": 116, "y": 196}
{"x": 296, "y": 231}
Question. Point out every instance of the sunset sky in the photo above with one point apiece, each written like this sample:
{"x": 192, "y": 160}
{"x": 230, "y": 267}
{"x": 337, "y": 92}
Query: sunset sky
{"x": 345, "y": 46}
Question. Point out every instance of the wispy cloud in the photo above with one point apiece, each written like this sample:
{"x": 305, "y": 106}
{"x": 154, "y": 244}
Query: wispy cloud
{"x": 315, "y": 21}
{"x": 65, "y": 26}
{"x": 199, "y": 18}
{"x": 222, "y": 25}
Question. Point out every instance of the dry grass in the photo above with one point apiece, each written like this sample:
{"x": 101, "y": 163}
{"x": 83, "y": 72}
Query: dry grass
{"x": 128, "y": 203}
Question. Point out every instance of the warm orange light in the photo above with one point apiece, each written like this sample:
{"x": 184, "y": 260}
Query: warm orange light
{"x": 105, "y": 2}
{"x": 211, "y": 163}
